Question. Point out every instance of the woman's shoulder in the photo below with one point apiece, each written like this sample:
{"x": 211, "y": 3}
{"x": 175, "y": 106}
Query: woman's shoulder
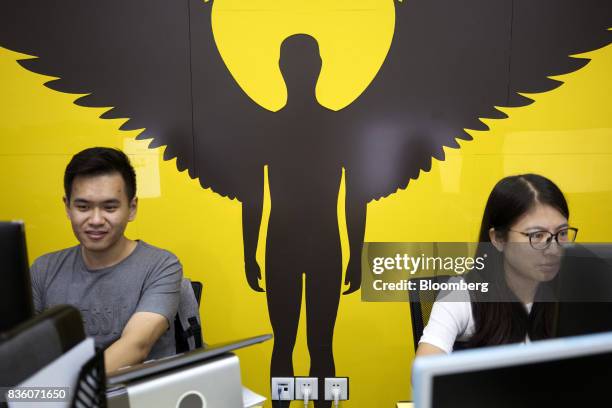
{"x": 450, "y": 319}
{"x": 456, "y": 305}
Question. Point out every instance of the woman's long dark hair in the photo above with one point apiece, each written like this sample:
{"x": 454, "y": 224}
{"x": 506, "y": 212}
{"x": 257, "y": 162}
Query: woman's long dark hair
{"x": 508, "y": 322}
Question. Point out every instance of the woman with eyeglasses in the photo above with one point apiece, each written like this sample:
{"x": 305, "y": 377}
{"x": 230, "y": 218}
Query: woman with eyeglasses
{"x": 524, "y": 227}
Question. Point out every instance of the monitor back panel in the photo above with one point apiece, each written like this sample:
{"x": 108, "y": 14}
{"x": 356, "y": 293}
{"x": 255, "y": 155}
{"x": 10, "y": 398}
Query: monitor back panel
{"x": 582, "y": 381}
{"x": 15, "y": 288}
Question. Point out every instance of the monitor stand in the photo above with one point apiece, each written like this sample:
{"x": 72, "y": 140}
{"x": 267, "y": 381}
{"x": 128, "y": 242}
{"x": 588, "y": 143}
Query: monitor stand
{"x": 209, "y": 383}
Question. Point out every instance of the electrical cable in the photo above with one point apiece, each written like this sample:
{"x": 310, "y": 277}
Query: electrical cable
{"x": 336, "y": 394}
{"x": 278, "y": 393}
{"x": 306, "y": 392}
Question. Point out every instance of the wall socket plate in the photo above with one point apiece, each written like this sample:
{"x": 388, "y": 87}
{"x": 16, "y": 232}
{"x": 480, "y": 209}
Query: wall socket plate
{"x": 336, "y": 382}
{"x": 302, "y": 383}
{"x": 283, "y": 388}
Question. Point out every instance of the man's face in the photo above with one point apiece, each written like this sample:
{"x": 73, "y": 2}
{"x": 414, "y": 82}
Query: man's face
{"x": 99, "y": 210}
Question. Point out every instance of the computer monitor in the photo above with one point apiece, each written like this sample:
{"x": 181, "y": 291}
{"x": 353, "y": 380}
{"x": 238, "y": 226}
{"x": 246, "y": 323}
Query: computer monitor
{"x": 16, "y": 304}
{"x": 570, "y": 372}
{"x": 585, "y": 290}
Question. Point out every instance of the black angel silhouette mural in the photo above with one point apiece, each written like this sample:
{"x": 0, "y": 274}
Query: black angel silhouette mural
{"x": 155, "y": 63}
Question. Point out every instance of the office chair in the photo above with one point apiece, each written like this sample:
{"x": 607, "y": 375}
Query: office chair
{"x": 197, "y": 290}
{"x": 187, "y": 323}
{"x": 23, "y": 353}
{"x": 421, "y": 303}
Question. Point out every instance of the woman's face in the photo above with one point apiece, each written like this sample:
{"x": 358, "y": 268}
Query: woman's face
{"x": 520, "y": 258}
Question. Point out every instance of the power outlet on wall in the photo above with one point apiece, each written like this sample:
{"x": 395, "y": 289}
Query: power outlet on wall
{"x": 336, "y": 383}
{"x": 283, "y": 388}
{"x": 307, "y": 384}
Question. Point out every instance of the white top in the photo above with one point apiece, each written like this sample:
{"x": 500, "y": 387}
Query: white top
{"x": 451, "y": 321}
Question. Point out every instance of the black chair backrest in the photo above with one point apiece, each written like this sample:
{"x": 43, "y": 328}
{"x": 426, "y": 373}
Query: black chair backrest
{"x": 197, "y": 290}
{"x": 194, "y": 329}
{"x": 32, "y": 345}
{"x": 421, "y": 303}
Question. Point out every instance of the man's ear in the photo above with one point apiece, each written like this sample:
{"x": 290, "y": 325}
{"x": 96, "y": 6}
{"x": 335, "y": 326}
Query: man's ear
{"x": 133, "y": 209}
{"x": 496, "y": 240}
{"x": 66, "y": 206}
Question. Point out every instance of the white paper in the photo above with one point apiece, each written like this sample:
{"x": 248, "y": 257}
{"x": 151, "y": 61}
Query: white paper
{"x": 250, "y": 399}
{"x": 61, "y": 372}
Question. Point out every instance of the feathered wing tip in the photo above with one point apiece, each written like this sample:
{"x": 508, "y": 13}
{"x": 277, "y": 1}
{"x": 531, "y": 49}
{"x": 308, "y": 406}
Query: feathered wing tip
{"x": 438, "y": 155}
{"x": 182, "y": 163}
{"x": 55, "y": 85}
{"x": 131, "y": 125}
{"x": 517, "y": 100}
{"x": 574, "y": 64}
{"x": 426, "y": 165}
{"x": 38, "y": 66}
{"x": 154, "y": 143}
{"x": 495, "y": 113}
{"x": 205, "y": 185}
{"x": 544, "y": 85}
{"x": 547, "y": 84}
{"x": 33, "y": 65}
{"x": 112, "y": 113}
{"x": 463, "y": 135}
{"x": 478, "y": 124}
{"x": 453, "y": 144}
{"x": 89, "y": 101}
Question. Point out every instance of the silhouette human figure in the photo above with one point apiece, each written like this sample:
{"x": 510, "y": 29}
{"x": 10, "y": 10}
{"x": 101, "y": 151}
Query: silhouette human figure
{"x": 303, "y": 240}
{"x": 155, "y": 62}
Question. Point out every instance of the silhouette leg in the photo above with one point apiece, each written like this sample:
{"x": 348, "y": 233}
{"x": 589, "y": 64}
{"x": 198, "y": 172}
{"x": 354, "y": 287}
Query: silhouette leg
{"x": 323, "y": 284}
{"x": 284, "y": 295}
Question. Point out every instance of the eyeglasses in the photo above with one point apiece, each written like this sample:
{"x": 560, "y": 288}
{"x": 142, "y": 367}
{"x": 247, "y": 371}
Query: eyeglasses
{"x": 543, "y": 239}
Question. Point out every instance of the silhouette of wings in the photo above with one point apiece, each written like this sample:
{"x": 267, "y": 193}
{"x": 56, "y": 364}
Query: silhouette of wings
{"x": 155, "y": 62}
{"x": 451, "y": 63}
{"x": 136, "y": 57}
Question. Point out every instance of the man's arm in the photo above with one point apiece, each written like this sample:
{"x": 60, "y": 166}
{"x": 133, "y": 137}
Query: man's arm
{"x": 138, "y": 337}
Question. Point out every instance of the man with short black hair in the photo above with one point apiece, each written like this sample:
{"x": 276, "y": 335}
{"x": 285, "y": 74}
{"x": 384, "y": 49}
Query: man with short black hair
{"x": 127, "y": 291}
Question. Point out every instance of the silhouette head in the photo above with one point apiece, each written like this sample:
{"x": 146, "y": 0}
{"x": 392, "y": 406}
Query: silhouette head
{"x": 300, "y": 64}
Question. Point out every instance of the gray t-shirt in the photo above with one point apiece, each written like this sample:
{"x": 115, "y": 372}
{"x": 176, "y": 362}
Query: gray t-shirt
{"x": 148, "y": 280}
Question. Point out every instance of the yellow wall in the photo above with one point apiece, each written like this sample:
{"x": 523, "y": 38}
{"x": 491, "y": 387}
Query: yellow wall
{"x": 566, "y": 135}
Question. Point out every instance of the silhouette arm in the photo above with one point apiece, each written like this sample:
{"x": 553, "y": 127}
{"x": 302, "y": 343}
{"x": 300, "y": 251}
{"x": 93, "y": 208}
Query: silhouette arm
{"x": 356, "y": 209}
{"x": 252, "y": 208}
